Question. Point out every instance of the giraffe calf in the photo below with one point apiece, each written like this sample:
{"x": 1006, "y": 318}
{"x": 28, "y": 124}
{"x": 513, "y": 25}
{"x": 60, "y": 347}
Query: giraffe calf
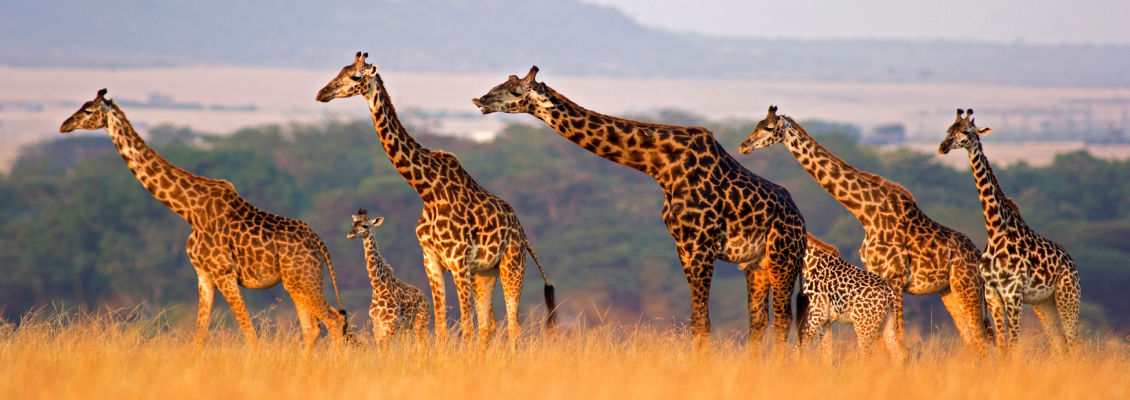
{"x": 839, "y": 291}
{"x": 396, "y": 305}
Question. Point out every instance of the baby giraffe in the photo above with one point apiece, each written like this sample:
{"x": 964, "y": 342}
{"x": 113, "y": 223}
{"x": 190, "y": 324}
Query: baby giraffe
{"x": 839, "y": 291}
{"x": 396, "y": 305}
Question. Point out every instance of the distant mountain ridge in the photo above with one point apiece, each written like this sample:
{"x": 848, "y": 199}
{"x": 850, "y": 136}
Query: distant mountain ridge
{"x": 504, "y": 36}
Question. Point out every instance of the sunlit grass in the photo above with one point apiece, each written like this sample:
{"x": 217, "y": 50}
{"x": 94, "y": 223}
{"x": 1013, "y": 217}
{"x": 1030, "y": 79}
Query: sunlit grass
{"x": 60, "y": 355}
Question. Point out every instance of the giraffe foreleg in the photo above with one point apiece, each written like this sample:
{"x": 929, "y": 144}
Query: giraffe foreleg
{"x": 699, "y": 270}
{"x": 420, "y": 325}
{"x": 461, "y": 276}
{"x": 997, "y": 310}
{"x": 484, "y": 288}
{"x": 229, "y": 287}
{"x": 434, "y": 270}
{"x": 204, "y": 311}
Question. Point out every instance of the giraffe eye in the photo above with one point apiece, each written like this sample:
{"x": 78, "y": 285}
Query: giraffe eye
{"x": 355, "y": 78}
{"x": 515, "y": 93}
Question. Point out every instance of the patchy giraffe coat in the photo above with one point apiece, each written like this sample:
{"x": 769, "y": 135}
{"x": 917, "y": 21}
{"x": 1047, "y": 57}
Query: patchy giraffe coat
{"x": 396, "y": 305}
{"x": 714, "y": 208}
{"x": 1019, "y": 265}
{"x": 232, "y": 243}
{"x": 463, "y": 228}
{"x": 839, "y": 291}
{"x": 911, "y": 251}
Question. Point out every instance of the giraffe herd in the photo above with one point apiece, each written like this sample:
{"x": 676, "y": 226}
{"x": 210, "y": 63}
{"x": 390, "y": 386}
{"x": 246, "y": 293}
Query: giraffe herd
{"x": 714, "y": 208}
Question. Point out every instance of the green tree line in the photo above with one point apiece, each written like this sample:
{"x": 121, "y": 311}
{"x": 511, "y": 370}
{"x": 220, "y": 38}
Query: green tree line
{"x": 77, "y": 229}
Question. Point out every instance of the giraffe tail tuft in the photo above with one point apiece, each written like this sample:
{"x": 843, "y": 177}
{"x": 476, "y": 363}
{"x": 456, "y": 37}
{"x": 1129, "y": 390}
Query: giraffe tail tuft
{"x": 550, "y": 293}
{"x": 550, "y": 306}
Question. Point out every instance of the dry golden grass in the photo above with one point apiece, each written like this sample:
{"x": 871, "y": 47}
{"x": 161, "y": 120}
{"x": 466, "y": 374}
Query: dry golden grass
{"x": 119, "y": 355}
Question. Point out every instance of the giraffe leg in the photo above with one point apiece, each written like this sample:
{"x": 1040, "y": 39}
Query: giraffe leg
{"x": 384, "y": 323}
{"x": 866, "y": 322}
{"x": 1000, "y": 324}
{"x": 965, "y": 302}
{"x": 1067, "y": 302}
{"x": 699, "y": 269}
{"x": 785, "y": 258}
{"x": 309, "y": 326}
{"x": 757, "y": 298}
{"x": 1049, "y": 319}
{"x": 434, "y": 270}
{"x": 894, "y": 342}
{"x": 513, "y": 270}
{"x": 303, "y": 281}
{"x": 461, "y": 276}
{"x": 484, "y": 288}
{"x": 421, "y": 322}
{"x": 813, "y": 325}
{"x": 230, "y": 289}
{"x": 204, "y": 312}
{"x": 1012, "y": 310}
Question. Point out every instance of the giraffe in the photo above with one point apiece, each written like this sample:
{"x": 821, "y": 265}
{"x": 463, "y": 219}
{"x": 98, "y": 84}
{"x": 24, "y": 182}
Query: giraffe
{"x": 396, "y": 305}
{"x": 1019, "y": 265}
{"x": 911, "y": 251}
{"x": 713, "y": 207}
{"x": 463, "y": 228}
{"x": 838, "y": 291}
{"x": 232, "y": 243}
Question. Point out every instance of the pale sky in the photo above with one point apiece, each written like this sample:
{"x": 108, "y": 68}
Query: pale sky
{"x": 1034, "y": 21}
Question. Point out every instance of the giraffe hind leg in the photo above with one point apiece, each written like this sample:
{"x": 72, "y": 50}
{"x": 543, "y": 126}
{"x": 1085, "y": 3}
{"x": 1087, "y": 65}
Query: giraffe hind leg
{"x": 757, "y": 298}
{"x": 1049, "y": 319}
{"x": 513, "y": 270}
{"x": 1067, "y": 302}
{"x": 785, "y": 255}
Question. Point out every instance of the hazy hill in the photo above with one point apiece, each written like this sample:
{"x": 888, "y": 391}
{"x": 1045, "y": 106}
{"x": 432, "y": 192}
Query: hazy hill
{"x": 502, "y": 36}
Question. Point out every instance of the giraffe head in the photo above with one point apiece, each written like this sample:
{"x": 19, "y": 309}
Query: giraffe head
{"x": 516, "y": 95}
{"x": 356, "y": 78}
{"x": 363, "y": 227}
{"x": 768, "y": 132}
{"x": 91, "y": 116}
{"x": 963, "y": 133}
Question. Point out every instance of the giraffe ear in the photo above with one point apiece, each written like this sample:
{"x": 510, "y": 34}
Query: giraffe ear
{"x": 984, "y": 131}
{"x": 375, "y": 222}
{"x": 540, "y": 98}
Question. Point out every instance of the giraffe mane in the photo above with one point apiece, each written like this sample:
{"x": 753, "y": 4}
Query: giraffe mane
{"x": 873, "y": 178}
{"x": 814, "y": 241}
{"x": 613, "y": 119}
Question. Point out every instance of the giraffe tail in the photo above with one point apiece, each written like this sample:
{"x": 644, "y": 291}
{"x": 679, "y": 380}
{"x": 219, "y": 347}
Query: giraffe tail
{"x": 550, "y": 295}
{"x": 333, "y": 279}
{"x": 802, "y": 305}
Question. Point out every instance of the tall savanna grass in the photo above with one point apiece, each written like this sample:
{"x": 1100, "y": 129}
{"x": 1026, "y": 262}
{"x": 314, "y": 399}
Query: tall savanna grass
{"x": 120, "y": 355}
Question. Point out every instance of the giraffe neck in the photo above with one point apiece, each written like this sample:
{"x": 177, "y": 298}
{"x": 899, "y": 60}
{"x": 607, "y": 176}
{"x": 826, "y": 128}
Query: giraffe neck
{"x": 380, "y": 273}
{"x": 409, "y": 158}
{"x": 625, "y": 142}
{"x": 861, "y": 193}
{"x": 171, "y": 185}
{"x": 998, "y": 214}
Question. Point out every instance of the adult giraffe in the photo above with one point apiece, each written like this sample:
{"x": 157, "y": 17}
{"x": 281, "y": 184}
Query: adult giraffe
{"x": 463, "y": 227}
{"x": 232, "y": 243}
{"x": 713, "y": 207}
{"x": 912, "y": 252}
{"x": 1019, "y": 265}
